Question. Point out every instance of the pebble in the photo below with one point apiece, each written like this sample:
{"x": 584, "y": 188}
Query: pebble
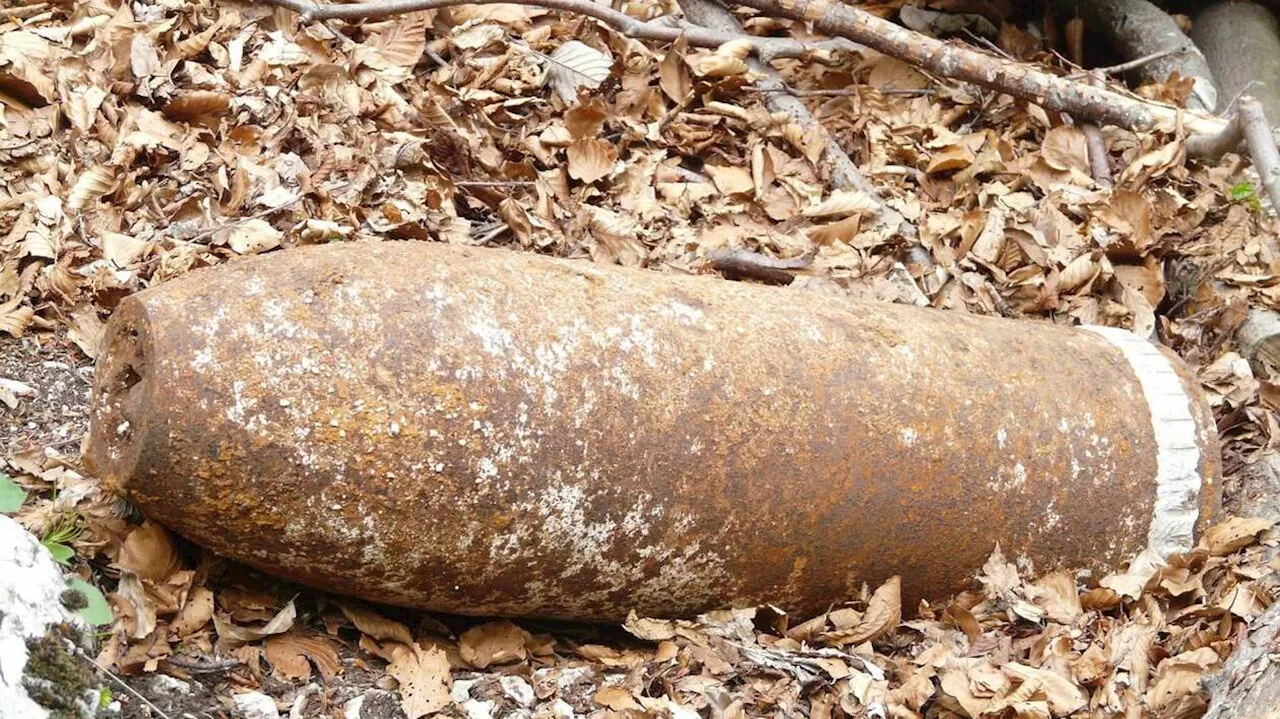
{"x": 256, "y": 705}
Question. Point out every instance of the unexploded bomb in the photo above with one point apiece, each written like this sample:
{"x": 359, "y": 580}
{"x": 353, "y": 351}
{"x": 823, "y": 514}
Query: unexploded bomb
{"x": 495, "y": 433}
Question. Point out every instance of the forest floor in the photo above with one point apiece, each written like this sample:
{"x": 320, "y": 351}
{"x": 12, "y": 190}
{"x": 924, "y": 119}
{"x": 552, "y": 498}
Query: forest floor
{"x": 141, "y": 140}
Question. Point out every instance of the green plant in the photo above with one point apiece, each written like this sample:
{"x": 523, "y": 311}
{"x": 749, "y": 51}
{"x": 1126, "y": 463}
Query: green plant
{"x": 96, "y": 611}
{"x": 104, "y": 698}
{"x": 59, "y": 538}
{"x": 1245, "y": 192}
{"x": 11, "y": 495}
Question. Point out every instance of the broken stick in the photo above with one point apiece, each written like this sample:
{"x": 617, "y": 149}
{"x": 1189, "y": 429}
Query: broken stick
{"x": 1055, "y": 93}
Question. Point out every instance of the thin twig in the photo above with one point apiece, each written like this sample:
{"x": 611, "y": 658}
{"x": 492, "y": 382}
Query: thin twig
{"x": 121, "y": 682}
{"x": 1133, "y": 64}
{"x": 660, "y": 30}
{"x": 1262, "y": 147}
{"x": 955, "y": 61}
{"x": 494, "y": 183}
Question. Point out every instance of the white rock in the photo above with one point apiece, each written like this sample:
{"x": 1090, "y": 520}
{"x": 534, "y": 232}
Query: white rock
{"x": 477, "y": 709}
{"x": 31, "y": 587}
{"x": 165, "y": 684}
{"x": 519, "y": 690}
{"x": 256, "y": 705}
{"x": 351, "y": 710}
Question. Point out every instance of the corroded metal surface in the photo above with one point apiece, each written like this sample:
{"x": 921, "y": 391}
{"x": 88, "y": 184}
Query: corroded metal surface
{"x": 489, "y": 432}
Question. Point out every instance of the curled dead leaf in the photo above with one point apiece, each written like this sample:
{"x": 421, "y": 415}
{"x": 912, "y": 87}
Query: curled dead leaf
{"x": 591, "y": 159}
{"x": 193, "y": 104}
{"x": 1233, "y": 534}
{"x": 500, "y": 642}
{"x": 89, "y": 186}
{"x": 149, "y": 552}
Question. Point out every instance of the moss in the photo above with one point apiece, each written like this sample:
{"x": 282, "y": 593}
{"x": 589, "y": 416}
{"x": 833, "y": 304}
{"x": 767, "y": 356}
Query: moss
{"x": 55, "y": 679}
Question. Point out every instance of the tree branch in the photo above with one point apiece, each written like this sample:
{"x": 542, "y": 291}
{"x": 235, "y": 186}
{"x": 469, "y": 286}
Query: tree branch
{"x": 841, "y": 170}
{"x": 954, "y": 61}
{"x": 767, "y": 48}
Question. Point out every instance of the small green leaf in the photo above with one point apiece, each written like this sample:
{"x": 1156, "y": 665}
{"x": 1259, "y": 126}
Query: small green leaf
{"x": 11, "y": 495}
{"x": 104, "y": 698}
{"x": 97, "y": 612}
{"x": 62, "y": 554}
{"x": 1242, "y": 191}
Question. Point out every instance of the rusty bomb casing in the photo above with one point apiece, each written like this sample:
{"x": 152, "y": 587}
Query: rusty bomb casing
{"x": 491, "y": 432}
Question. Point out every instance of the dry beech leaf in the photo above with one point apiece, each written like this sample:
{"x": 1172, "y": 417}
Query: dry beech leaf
{"x": 883, "y": 615}
{"x": 842, "y": 203}
{"x": 149, "y": 552}
{"x": 493, "y": 643}
{"x": 291, "y": 655}
{"x": 253, "y": 236}
{"x": 590, "y": 159}
{"x": 616, "y": 698}
{"x": 195, "y": 614}
{"x": 950, "y": 159}
{"x": 730, "y": 180}
{"x": 374, "y": 624}
{"x": 717, "y": 65}
{"x": 575, "y": 65}
{"x": 653, "y": 630}
{"x": 87, "y": 330}
{"x": 399, "y": 47}
{"x": 1234, "y": 534}
{"x": 15, "y": 317}
{"x": 194, "y": 103}
{"x": 89, "y": 186}
{"x": 586, "y": 120}
{"x": 234, "y": 633}
{"x": 1065, "y": 148}
{"x": 424, "y": 678}
{"x": 673, "y": 72}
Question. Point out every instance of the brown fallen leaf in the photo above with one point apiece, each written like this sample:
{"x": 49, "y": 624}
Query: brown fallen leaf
{"x": 291, "y": 655}
{"x": 1233, "y": 534}
{"x": 616, "y": 698}
{"x": 374, "y": 624}
{"x": 149, "y": 552}
{"x": 883, "y": 615}
{"x": 492, "y": 643}
{"x": 590, "y": 159}
{"x": 424, "y": 679}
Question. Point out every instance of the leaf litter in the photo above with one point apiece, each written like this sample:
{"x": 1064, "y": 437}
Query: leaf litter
{"x": 142, "y": 140}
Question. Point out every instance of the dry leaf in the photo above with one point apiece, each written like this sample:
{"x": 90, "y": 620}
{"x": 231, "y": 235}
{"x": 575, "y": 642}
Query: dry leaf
{"x": 575, "y": 65}
{"x": 591, "y": 159}
{"x": 195, "y": 103}
{"x": 730, "y": 180}
{"x": 1065, "y": 148}
{"x": 253, "y": 236}
{"x": 149, "y": 552}
{"x": 291, "y": 655}
{"x": 89, "y": 186}
{"x": 493, "y": 643}
{"x": 424, "y": 679}
{"x": 1233, "y": 534}
{"x": 616, "y": 698}
{"x": 374, "y": 624}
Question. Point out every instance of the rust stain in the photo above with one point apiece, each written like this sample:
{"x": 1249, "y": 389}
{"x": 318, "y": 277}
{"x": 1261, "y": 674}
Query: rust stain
{"x": 494, "y": 433}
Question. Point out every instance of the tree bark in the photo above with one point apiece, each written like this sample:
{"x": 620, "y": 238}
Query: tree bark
{"x": 1241, "y": 42}
{"x": 1137, "y": 28}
